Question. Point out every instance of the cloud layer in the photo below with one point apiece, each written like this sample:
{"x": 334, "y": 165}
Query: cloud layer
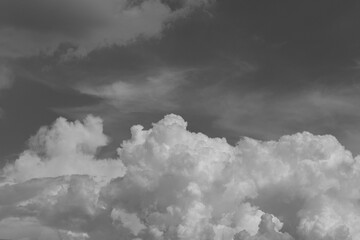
{"x": 169, "y": 183}
{"x": 81, "y": 26}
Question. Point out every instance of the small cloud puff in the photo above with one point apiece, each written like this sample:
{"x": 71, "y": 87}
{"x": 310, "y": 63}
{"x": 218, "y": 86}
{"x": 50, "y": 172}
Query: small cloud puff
{"x": 169, "y": 183}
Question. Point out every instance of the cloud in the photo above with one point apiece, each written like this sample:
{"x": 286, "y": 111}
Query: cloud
{"x": 6, "y": 77}
{"x": 268, "y": 114}
{"x": 6, "y": 81}
{"x": 28, "y": 28}
{"x": 169, "y": 183}
{"x": 267, "y": 230}
{"x": 65, "y": 149}
{"x": 158, "y": 91}
{"x": 15, "y": 228}
{"x": 130, "y": 221}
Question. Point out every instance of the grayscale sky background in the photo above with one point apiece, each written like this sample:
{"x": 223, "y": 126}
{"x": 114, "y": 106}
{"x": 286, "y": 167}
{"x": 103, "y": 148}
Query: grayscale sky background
{"x": 231, "y": 68}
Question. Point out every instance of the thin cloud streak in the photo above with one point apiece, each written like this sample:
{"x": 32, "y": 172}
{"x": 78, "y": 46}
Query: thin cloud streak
{"x": 158, "y": 91}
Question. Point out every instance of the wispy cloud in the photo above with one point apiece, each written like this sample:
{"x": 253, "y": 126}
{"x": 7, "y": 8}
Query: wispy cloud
{"x": 158, "y": 91}
{"x": 6, "y": 81}
{"x": 6, "y": 77}
{"x": 28, "y": 28}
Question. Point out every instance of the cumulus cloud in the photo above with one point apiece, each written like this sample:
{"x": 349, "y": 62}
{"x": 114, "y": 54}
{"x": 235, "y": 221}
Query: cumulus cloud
{"x": 267, "y": 230}
{"x": 64, "y": 149}
{"x": 84, "y": 25}
{"x": 170, "y": 183}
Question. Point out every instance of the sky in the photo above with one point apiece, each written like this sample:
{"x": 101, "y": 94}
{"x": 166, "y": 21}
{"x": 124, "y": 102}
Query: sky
{"x": 243, "y": 83}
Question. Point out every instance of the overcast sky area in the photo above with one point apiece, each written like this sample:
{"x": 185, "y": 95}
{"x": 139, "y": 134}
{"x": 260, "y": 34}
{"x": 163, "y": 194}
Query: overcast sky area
{"x": 264, "y": 101}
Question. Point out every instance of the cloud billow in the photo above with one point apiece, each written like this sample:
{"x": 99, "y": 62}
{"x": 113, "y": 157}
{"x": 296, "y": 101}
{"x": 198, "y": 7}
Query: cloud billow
{"x": 169, "y": 183}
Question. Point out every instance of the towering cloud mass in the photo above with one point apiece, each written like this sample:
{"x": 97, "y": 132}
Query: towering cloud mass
{"x": 80, "y": 26}
{"x": 169, "y": 183}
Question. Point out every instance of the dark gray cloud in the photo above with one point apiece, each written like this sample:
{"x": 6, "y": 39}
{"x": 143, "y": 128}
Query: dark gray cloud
{"x": 66, "y": 17}
{"x": 6, "y": 77}
{"x": 29, "y": 28}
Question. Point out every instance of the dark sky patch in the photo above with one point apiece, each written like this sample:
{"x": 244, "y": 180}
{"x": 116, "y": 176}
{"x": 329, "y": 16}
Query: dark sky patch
{"x": 258, "y": 60}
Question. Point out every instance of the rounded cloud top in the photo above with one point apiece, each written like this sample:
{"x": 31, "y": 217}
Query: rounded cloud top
{"x": 172, "y": 119}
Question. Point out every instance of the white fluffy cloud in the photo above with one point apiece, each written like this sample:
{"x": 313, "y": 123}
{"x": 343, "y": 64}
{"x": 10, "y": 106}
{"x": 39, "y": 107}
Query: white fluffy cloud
{"x": 169, "y": 183}
{"x": 65, "y": 149}
{"x": 84, "y": 25}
